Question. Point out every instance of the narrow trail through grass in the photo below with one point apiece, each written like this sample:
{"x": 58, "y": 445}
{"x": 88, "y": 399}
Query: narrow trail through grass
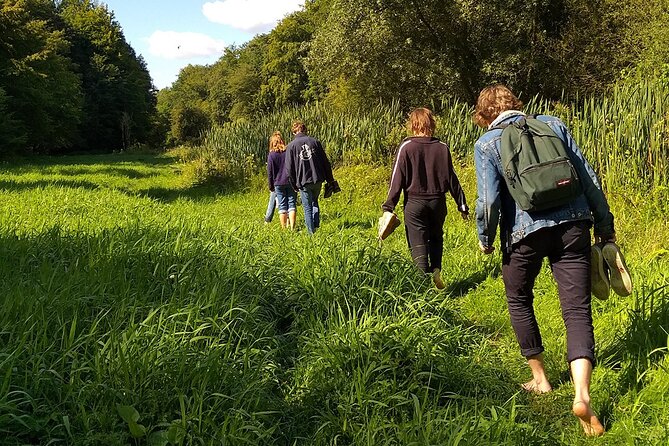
{"x": 138, "y": 310}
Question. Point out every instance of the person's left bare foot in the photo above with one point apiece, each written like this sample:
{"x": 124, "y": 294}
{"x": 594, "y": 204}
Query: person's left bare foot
{"x": 537, "y": 387}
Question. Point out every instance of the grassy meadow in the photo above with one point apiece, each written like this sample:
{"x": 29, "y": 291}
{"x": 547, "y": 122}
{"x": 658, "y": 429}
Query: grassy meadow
{"x": 136, "y": 309}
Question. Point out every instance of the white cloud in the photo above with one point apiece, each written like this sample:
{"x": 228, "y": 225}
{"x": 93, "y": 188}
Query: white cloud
{"x": 250, "y": 15}
{"x": 183, "y": 45}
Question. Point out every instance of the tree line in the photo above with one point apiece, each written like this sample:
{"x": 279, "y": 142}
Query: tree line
{"x": 69, "y": 81}
{"x": 352, "y": 53}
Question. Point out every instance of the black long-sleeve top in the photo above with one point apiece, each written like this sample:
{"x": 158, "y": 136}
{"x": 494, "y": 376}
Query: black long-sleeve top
{"x": 424, "y": 169}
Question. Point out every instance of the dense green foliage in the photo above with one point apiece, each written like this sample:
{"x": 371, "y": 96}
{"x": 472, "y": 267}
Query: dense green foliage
{"x": 352, "y": 53}
{"x": 69, "y": 80}
{"x": 135, "y": 306}
{"x": 142, "y": 307}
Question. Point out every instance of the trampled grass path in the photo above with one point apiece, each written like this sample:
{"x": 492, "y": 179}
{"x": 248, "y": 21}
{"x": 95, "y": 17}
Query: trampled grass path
{"x": 138, "y": 310}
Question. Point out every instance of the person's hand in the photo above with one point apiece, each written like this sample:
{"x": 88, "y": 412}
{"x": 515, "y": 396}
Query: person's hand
{"x": 606, "y": 238}
{"x": 486, "y": 249}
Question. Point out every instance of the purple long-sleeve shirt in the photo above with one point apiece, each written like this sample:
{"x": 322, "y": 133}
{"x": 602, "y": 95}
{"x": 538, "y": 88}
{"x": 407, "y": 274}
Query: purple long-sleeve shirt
{"x": 276, "y": 171}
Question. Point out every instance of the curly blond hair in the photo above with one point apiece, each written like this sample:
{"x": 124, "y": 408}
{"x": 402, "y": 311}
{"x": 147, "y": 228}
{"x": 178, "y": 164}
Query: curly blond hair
{"x": 492, "y": 101}
{"x": 276, "y": 142}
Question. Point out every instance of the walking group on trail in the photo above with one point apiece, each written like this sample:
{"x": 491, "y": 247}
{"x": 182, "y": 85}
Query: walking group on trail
{"x": 533, "y": 184}
{"x": 301, "y": 166}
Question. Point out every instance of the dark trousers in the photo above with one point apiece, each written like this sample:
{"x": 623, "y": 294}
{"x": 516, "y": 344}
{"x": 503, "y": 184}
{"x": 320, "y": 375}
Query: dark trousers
{"x": 424, "y": 223}
{"x": 567, "y": 247}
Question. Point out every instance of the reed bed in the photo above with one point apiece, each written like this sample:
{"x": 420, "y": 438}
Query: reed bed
{"x": 625, "y": 135}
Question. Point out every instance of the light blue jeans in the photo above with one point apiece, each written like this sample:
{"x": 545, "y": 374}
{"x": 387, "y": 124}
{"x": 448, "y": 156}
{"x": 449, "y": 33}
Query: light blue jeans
{"x": 286, "y": 199}
{"x": 312, "y": 215}
{"x": 271, "y": 205}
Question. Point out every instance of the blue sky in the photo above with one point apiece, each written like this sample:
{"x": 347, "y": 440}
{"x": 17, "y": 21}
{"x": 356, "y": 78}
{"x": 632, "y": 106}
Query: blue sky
{"x": 173, "y": 34}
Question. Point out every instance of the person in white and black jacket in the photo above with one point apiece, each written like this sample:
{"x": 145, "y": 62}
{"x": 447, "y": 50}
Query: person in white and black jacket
{"x": 423, "y": 170}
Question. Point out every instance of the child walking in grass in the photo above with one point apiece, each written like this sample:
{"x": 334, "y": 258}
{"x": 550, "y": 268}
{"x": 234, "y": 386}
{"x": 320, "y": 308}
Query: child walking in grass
{"x": 278, "y": 181}
{"x": 423, "y": 170}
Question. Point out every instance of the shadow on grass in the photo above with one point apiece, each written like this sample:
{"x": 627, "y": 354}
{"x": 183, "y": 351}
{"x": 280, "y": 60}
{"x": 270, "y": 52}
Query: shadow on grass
{"x": 464, "y": 285}
{"x": 165, "y": 195}
{"x": 127, "y": 172}
{"x": 91, "y": 160}
{"x": 105, "y": 288}
{"x": 193, "y": 193}
{"x": 644, "y": 342}
{"x": 12, "y": 185}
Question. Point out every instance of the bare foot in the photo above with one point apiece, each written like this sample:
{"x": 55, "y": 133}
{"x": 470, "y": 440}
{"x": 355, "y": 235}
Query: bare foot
{"x": 591, "y": 425}
{"x": 537, "y": 387}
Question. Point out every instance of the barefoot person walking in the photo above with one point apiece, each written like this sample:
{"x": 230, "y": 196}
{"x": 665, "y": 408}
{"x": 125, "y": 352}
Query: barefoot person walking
{"x": 424, "y": 171}
{"x": 278, "y": 182}
{"x": 529, "y": 232}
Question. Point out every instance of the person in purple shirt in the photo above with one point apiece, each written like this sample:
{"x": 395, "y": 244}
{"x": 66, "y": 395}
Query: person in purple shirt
{"x": 277, "y": 179}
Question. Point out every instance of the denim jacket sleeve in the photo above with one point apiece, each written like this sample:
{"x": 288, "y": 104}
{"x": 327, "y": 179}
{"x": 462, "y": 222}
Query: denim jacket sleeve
{"x": 488, "y": 202}
{"x": 603, "y": 219}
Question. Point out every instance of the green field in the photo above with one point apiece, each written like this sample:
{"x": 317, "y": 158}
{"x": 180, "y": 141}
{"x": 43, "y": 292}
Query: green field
{"x": 136, "y": 309}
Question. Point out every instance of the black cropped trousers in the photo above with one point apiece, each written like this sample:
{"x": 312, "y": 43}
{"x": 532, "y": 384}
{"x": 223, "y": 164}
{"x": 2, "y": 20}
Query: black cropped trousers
{"x": 567, "y": 247}
{"x": 424, "y": 223}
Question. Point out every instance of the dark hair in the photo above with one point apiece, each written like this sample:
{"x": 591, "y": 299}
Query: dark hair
{"x": 298, "y": 127}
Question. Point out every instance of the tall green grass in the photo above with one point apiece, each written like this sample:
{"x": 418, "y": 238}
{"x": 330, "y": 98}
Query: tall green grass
{"x": 624, "y": 134}
{"x": 137, "y": 310}
{"x": 350, "y": 137}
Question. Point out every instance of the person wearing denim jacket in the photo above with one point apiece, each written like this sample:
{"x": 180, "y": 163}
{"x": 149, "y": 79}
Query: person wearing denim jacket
{"x": 561, "y": 234}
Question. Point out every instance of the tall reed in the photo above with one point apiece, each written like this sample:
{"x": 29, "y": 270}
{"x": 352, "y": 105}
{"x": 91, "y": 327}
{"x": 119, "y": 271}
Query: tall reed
{"x": 625, "y": 134}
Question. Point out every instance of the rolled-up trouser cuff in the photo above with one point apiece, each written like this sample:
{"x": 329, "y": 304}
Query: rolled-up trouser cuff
{"x": 528, "y": 352}
{"x": 587, "y": 355}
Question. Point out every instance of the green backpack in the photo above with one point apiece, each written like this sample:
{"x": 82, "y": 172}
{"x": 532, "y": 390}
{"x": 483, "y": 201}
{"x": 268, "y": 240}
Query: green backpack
{"x": 537, "y": 169}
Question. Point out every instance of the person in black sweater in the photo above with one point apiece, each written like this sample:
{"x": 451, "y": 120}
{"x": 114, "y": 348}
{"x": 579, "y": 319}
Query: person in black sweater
{"x": 423, "y": 170}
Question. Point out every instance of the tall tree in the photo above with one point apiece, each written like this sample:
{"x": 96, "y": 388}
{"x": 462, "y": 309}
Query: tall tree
{"x": 13, "y": 136}
{"x": 119, "y": 96}
{"x": 36, "y": 75}
{"x": 186, "y": 105}
{"x": 419, "y": 51}
{"x": 286, "y": 79}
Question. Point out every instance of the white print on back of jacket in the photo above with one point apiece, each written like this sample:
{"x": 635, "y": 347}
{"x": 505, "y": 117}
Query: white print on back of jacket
{"x": 306, "y": 152}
